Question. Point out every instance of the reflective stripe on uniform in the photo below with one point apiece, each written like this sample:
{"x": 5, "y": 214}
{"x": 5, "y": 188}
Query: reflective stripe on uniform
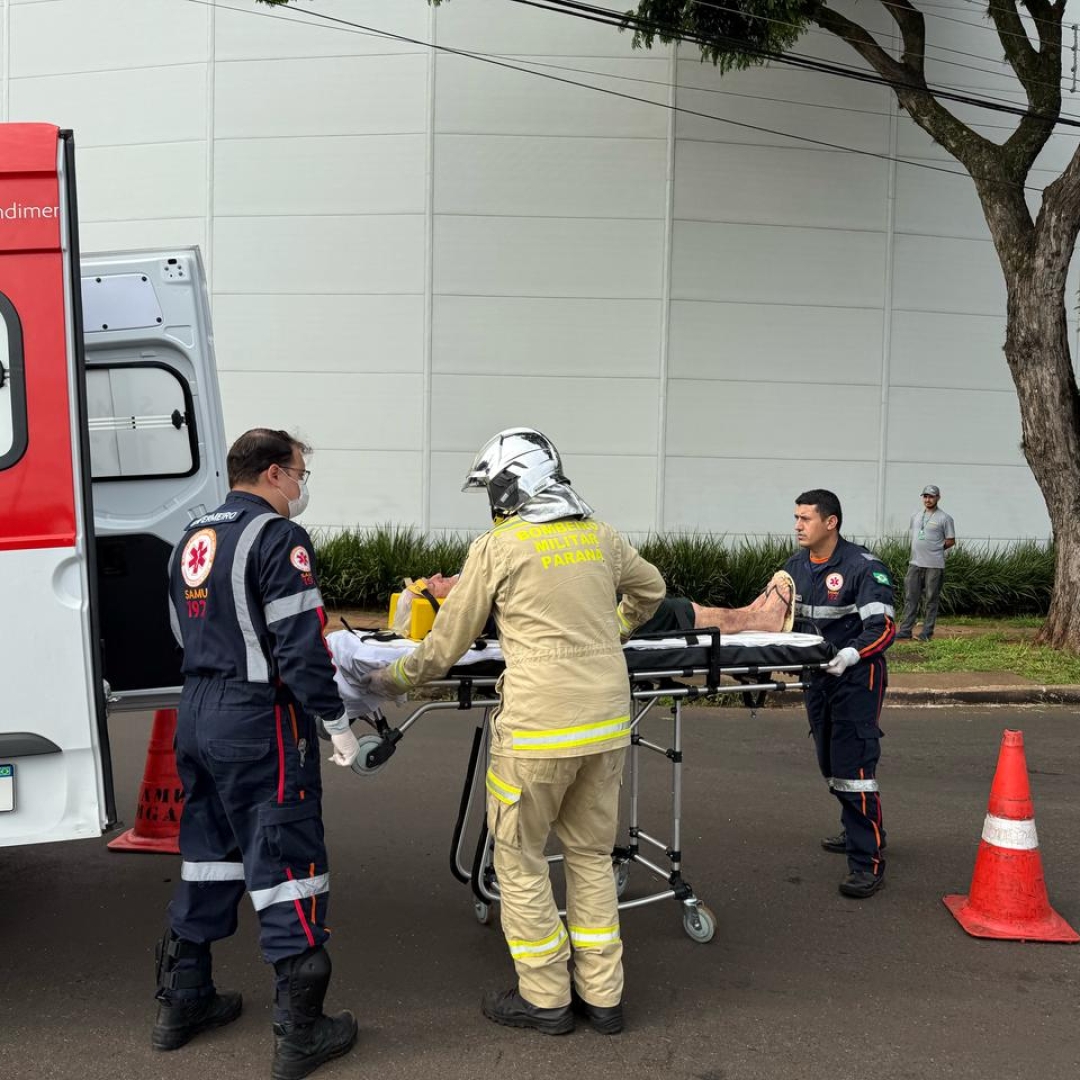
{"x": 624, "y": 623}
{"x": 876, "y": 609}
{"x": 580, "y": 735}
{"x": 1007, "y": 833}
{"x": 174, "y": 619}
{"x": 397, "y": 673}
{"x": 837, "y": 784}
{"x": 502, "y": 791}
{"x": 212, "y": 871}
{"x": 288, "y": 891}
{"x": 287, "y": 606}
{"x": 584, "y": 937}
{"x": 543, "y": 947}
{"x": 805, "y": 611}
{"x": 257, "y": 669}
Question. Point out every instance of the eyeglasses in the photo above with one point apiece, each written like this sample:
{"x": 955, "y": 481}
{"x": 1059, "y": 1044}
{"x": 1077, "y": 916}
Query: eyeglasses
{"x": 290, "y": 469}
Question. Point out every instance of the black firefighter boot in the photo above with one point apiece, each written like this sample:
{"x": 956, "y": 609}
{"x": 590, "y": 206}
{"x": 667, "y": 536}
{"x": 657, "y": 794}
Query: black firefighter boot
{"x": 304, "y": 1036}
{"x": 187, "y": 1000}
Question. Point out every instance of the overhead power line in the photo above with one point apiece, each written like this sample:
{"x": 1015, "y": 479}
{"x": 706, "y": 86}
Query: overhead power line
{"x": 352, "y": 26}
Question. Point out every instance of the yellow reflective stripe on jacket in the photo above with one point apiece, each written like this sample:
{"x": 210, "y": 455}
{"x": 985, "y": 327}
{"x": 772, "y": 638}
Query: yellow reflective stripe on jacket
{"x": 543, "y": 947}
{"x": 397, "y": 673}
{"x": 580, "y": 735}
{"x": 582, "y": 937}
{"x": 502, "y": 791}
{"x": 624, "y": 623}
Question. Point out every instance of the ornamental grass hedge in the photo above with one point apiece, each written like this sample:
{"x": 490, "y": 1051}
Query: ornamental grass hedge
{"x": 361, "y": 567}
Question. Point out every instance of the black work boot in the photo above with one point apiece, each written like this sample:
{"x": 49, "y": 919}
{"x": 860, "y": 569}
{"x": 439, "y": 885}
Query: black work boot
{"x": 606, "y": 1019}
{"x": 304, "y": 1036}
{"x": 510, "y": 1008}
{"x": 187, "y": 1000}
{"x": 861, "y": 884}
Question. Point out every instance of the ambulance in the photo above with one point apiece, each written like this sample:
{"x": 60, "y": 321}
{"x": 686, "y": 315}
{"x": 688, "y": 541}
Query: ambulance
{"x": 111, "y": 440}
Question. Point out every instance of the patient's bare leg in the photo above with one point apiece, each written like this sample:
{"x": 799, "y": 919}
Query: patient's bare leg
{"x": 771, "y": 611}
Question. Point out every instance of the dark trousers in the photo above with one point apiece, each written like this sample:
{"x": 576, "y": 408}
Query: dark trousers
{"x": 917, "y": 580}
{"x": 843, "y": 712}
{"x": 252, "y": 818}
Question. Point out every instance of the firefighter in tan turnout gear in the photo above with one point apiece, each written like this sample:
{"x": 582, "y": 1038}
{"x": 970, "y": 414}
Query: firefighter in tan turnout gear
{"x": 549, "y": 572}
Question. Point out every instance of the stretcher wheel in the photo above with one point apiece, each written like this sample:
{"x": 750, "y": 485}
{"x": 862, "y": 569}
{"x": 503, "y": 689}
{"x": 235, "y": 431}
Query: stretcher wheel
{"x": 367, "y": 744}
{"x": 699, "y": 923}
{"x": 482, "y": 912}
{"x": 622, "y": 877}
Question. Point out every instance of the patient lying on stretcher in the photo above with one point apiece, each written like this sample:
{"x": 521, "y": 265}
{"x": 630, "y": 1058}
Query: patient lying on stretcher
{"x": 772, "y": 611}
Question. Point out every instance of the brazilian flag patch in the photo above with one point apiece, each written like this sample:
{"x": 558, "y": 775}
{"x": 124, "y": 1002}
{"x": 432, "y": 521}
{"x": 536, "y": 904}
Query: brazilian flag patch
{"x": 881, "y": 578}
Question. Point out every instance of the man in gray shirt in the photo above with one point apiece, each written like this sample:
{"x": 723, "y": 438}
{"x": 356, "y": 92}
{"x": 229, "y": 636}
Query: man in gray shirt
{"x": 932, "y": 534}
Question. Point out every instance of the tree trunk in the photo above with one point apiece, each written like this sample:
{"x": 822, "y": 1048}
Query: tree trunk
{"x": 1037, "y": 349}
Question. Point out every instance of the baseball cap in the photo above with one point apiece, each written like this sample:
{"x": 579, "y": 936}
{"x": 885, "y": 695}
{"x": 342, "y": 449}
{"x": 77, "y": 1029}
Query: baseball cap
{"x": 932, "y": 489}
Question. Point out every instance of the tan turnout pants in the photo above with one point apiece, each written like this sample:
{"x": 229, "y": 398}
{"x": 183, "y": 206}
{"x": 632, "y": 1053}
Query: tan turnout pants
{"x": 579, "y": 798}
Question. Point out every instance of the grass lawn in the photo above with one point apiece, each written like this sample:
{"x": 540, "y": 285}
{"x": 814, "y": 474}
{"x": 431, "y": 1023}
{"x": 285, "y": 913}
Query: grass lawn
{"x": 969, "y": 644}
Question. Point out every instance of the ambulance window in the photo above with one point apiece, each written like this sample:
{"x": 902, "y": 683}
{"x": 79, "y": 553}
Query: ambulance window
{"x": 140, "y": 418}
{"x": 12, "y": 387}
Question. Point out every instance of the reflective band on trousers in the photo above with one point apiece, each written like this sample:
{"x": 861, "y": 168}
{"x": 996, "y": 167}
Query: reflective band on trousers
{"x": 805, "y": 611}
{"x": 543, "y": 947}
{"x": 582, "y": 735}
{"x": 852, "y": 785}
{"x": 584, "y": 937}
{"x": 212, "y": 871}
{"x": 1007, "y": 833}
{"x": 502, "y": 791}
{"x": 288, "y": 891}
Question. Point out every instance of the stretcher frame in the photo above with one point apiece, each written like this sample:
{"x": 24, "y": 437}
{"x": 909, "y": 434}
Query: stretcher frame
{"x": 474, "y": 690}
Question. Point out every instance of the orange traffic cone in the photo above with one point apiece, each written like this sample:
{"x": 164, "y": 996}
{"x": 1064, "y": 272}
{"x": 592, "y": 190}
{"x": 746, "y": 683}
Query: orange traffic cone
{"x": 161, "y": 796}
{"x": 1008, "y": 894}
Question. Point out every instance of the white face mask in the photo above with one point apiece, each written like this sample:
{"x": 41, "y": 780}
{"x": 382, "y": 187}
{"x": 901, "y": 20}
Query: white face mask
{"x": 298, "y": 505}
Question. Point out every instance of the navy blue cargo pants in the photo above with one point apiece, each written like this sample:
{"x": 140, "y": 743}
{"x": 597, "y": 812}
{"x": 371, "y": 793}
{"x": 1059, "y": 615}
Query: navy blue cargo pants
{"x": 844, "y": 711}
{"x": 252, "y": 820}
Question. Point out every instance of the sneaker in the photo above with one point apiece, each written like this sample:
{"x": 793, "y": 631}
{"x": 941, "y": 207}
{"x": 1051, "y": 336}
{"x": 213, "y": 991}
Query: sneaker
{"x": 179, "y": 1022}
{"x": 510, "y": 1008}
{"x": 838, "y": 844}
{"x": 608, "y": 1020}
{"x": 903, "y": 635}
{"x": 925, "y": 637}
{"x": 861, "y": 884}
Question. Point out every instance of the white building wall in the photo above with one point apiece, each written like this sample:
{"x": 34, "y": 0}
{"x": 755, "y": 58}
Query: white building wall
{"x": 411, "y": 249}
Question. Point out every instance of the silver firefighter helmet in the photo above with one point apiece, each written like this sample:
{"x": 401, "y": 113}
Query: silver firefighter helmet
{"x": 513, "y": 466}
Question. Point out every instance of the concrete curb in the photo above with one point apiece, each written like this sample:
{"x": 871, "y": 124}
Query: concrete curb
{"x": 986, "y": 695}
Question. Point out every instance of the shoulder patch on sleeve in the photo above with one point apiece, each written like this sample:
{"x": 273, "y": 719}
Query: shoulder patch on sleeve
{"x": 300, "y": 559}
{"x": 881, "y": 577}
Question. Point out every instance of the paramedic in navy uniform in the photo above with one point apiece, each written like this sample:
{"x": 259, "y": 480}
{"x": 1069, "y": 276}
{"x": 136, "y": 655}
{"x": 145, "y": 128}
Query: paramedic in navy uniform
{"x": 844, "y": 593}
{"x": 247, "y": 611}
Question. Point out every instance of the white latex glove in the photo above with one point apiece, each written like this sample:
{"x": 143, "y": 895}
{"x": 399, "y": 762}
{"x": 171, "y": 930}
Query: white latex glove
{"x": 844, "y": 659}
{"x": 381, "y": 684}
{"x": 345, "y": 748}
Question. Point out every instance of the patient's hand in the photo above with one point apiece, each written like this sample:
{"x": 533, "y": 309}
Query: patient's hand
{"x": 440, "y": 586}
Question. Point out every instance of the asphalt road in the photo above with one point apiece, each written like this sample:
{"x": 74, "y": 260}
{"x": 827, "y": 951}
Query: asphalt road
{"x": 798, "y": 983}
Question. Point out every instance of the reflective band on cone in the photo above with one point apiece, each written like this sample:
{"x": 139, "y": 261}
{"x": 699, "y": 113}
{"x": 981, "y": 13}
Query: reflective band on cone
{"x": 161, "y": 796}
{"x": 1008, "y": 893}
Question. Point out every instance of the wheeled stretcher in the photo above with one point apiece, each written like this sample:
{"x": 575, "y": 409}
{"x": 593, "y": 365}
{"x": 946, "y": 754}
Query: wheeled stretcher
{"x": 750, "y": 665}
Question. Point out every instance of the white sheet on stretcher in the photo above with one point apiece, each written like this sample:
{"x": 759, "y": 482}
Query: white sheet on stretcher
{"x": 357, "y": 655}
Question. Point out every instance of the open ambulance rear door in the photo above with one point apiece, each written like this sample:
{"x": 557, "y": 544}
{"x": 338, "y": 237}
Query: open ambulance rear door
{"x": 105, "y": 453}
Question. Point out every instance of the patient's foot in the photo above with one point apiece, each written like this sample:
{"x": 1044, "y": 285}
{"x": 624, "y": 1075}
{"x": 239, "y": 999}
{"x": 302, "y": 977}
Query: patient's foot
{"x": 773, "y": 611}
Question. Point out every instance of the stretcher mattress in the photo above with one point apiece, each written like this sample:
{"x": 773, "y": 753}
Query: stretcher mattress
{"x": 358, "y": 653}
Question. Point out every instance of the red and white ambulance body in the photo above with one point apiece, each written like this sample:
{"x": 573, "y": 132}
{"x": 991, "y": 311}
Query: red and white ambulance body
{"x": 111, "y": 440}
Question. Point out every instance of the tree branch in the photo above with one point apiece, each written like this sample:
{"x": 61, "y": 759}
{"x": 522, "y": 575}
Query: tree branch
{"x": 913, "y": 30}
{"x": 977, "y": 154}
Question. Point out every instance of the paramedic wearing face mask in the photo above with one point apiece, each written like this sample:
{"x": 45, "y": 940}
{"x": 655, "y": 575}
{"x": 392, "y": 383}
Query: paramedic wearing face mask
{"x": 246, "y": 609}
{"x": 548, "y": 571}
